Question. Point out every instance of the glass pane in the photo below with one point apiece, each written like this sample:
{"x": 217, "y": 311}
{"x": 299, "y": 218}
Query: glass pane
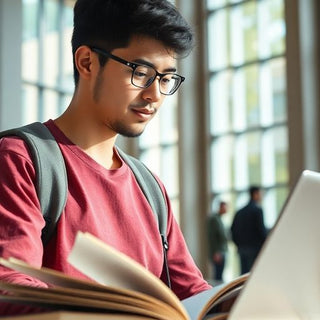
{"x": 269, "y": 205}
{"x": 30, "y": 103}
{"x": 280, "y": 136}
{"x": 277, "y": 40}
{"x": 271, "y": 28}
{"x": 272, "y": 88}
{"x": 222, "y": 163}
{"x": 249, "y": 25}
{"x": 66, "y": 99}
{"x": 220, "y": 102}
{"x": 214, "y": 4}
{"x": 266, "y": 94}
{"x": 67, "y": 64}
{"x": 268, "y": 159}
{"x": 241, "y": 179}
{"x": 282, "y": 194}
{"x": 30, "y": 19}
{"x": 218, "y": 40}
{"x": 254, "y": 157}
{"x": 244, "y": 45}
{"x": 30, "y": 44}
{"x": 151, "y": 136}
{"x": 252, "y": 98}
{"x": 163, "y": 129}
{"x": 51, "y": 13}
{"x": 273, "y": 201}
{"x": 50, "y": 105}
{"x": 164, "y": 163}
{"x": 241, "y": 199}
{"x": 51, "y": 43}
{"x": 239, "y": 104}
{"x": 175, "y": 205}
{"x": 274, "y": 156}
{"x": 279, "y": 89}
{"x": 168, "y": 120}
{"x": 169, "y": 172}
{"x": 237, "y": 50}
{"x": 152, "y": 158}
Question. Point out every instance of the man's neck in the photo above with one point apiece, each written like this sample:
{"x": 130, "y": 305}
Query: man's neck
{"x": 92, "y": 138}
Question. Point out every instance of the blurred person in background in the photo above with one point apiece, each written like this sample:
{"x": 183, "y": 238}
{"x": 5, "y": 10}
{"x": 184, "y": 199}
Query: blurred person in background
{"x": 248, "y": 230}
{"x": 218, "y": 242}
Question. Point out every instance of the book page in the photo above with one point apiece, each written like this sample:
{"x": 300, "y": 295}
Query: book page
{"x": 74, "y": 315}
{"x": 108, "y": 266}
{"x": 74, "y": 293}
{"x": 79, "y": 287}
{"x": 195, "y": 304}
{"x": 199, "y": 305}
{"x": 66, "y": 298}
{"x": 57, "y": 278}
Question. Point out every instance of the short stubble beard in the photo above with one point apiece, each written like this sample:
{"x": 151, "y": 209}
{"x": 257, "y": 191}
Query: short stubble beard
{"x": 117, "y": 126}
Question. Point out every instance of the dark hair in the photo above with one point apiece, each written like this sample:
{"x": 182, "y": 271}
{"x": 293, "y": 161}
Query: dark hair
{"x": 110, "y": 24}
{"x": 253, "y": 190}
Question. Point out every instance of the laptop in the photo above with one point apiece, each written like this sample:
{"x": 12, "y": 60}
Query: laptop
{"x": 285, "y": 279}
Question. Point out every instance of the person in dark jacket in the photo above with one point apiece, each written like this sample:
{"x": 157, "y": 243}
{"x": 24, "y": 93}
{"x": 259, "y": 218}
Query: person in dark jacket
{"x": 248, "y": 230}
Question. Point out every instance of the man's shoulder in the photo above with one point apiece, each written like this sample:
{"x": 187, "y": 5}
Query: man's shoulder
{"x": 214, "y": 220}
{"x": 14, "y": 145}
{"x": 242, "y": 210}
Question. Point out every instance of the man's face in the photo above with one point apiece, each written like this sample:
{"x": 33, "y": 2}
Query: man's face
{"x": 257, "y": 196}
{"x": 122, "y": 107}
{"x": 223, "y": 208}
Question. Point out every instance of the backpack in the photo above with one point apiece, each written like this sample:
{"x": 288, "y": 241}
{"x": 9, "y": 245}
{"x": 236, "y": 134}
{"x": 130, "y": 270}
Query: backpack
{"x": 52, "y": 184}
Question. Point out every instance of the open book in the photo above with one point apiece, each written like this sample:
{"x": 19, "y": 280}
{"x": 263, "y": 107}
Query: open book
{"x": 121, "y": 289}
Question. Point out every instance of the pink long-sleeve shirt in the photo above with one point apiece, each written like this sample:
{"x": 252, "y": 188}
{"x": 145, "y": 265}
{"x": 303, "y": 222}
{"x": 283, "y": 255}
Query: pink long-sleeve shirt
{"x": 107, "y": 203}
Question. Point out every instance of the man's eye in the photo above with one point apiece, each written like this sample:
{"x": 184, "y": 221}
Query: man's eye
{"x": 166, "y": 80}
{"x": 142, "y": 71}
{"x": 140, "y": 74}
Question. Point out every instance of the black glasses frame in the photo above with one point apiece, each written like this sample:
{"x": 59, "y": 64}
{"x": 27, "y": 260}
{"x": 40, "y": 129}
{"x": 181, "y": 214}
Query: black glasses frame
{"x": 134, "y": 66}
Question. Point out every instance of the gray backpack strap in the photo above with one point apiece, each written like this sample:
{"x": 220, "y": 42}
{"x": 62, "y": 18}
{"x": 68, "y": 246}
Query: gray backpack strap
{"x": 152, "y": 191}
{"x": 52, "y": 184}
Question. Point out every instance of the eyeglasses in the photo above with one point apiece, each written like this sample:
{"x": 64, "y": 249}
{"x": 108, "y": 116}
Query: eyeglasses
{"x": 143, "y": 76}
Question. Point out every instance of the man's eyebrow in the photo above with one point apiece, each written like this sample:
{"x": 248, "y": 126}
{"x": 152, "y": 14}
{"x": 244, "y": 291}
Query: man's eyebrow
{"x": 147, "y": 63}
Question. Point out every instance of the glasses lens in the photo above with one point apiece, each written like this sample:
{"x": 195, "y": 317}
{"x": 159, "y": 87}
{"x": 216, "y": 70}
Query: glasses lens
{"x": 143, "y": 76}
{"x": 169, "y": 83}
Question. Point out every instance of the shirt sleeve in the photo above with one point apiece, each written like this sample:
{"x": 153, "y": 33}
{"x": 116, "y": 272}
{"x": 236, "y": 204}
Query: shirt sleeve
{"x": 21, "y": 220}
{"x": 20, "y": 215}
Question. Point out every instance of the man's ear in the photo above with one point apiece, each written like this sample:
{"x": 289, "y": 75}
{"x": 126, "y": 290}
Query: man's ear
{"x": 83, "y": 61}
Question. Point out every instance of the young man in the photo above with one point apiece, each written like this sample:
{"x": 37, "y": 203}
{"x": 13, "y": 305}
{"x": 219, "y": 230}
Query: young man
{"x": 125, "y": 56}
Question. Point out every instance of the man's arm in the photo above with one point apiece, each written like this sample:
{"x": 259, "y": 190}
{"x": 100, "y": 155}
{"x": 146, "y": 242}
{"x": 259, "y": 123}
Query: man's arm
{"x": 21, "y": 220}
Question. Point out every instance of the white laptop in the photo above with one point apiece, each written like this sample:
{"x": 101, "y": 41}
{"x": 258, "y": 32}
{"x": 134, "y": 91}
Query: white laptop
{"x": 285, "y": 279}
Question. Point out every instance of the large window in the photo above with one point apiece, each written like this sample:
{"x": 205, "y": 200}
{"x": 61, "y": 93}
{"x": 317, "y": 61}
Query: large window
{"x": 247, "y": 102}
{"x": 46, "y": 58}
